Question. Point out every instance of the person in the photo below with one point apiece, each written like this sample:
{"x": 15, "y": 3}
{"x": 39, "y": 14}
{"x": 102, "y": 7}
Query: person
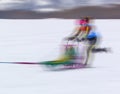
{"x": 85, "y": 32}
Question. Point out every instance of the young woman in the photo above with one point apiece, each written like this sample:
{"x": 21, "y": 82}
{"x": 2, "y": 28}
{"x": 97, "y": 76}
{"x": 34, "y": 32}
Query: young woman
{"x": 85, "y": 32}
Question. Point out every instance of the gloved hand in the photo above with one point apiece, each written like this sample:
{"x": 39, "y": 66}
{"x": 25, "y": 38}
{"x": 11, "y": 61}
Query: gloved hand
{"x": 80, "y": 40}
{"x": 70, "y": 38}
{"x": 83, "y": 39}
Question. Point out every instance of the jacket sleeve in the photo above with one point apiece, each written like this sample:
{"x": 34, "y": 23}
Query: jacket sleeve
{"x": 87, "y": 31}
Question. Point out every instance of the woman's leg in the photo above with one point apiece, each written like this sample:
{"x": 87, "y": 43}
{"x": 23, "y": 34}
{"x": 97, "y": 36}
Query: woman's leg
{"x": 91, "y": 45}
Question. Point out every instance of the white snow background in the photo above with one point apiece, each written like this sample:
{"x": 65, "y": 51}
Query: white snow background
{"x": 40, "y": 40}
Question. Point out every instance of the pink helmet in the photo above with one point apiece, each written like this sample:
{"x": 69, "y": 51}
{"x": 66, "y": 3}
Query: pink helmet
{"x": 81, "y": 22}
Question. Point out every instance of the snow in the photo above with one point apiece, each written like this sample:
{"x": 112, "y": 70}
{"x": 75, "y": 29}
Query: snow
{"x": 40, "y": 40}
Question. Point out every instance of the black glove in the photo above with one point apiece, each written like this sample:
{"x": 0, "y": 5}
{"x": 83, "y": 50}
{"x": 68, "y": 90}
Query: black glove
{"x": 70, "y": 38}
{"x": 79, "y": 40}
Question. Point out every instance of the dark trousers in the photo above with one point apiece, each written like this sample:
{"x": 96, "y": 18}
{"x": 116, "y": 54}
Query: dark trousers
{"x": 91, "y": 43}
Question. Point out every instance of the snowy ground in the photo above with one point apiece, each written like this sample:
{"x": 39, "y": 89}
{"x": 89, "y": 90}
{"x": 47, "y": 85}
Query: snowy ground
{"x": 40, "y": 40}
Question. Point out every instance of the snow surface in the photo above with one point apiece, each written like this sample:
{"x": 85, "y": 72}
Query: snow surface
{"x": 40, "y": 40}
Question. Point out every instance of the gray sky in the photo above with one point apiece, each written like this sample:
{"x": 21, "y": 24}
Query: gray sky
{"x": 50, "y": 4}
{"x": 37, "y": 9}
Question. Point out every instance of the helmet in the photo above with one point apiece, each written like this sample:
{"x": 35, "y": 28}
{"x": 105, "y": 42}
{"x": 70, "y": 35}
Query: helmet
{"x": 83, "y": 21}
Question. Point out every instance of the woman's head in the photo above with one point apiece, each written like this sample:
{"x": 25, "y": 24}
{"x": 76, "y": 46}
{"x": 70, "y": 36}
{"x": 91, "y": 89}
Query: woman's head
{"x": 83, "y": 21}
